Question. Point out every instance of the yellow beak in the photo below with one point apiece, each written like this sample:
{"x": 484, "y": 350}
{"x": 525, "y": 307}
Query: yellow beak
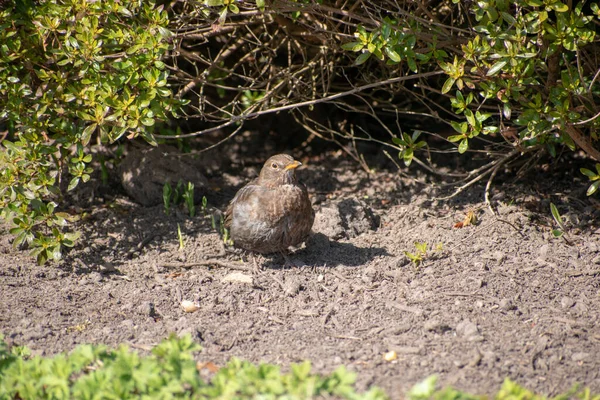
{"x": 293, "y": 165}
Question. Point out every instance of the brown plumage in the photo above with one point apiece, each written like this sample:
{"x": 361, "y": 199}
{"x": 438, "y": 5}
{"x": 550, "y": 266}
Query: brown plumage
{"x": 273, "y": 211}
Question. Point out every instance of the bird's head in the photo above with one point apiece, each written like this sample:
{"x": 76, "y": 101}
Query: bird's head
{"x": 279, "y": 170}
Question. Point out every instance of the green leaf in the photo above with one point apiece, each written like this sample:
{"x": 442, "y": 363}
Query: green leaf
{"x": 222, "y": 16}
{"x": 496, "y": 68}
{"x": 460, "y": 127}
{"x": 557, "y": 233}
{"x": 361, "y": 59}
{"x": 408, "y": 156}
{"x": 463, "y": 146}
{"x": 587, "y": 172}
{"x": 448, "y": 85}
{"x": 212, "y": 3}
{"x": 455, "y": 138}
{"x": 508, "y": 18}
{"x": 353, "y": 46}
{"x": 399, "y": 141}
{"x": 392, "y": 54}
{"x": 423, "y": 389}
{"x": 87, "y": 134}
{"x": 593, "y": 188}
{"x": 147, "y": 121}
{"x": 556, "y": 215}
{"x": 73, "y": 184}
{"x": 234, "y": 8}
{"x": 260, "y": 4}
{"x": 559, "y": 6}
{"x": 506, "y": 110}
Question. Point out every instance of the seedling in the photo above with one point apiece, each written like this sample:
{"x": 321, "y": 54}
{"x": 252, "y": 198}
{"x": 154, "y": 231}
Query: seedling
{"x": 225, "y": 232}
{"x": 559, "y": 221}
{"x": 204, "y": 208}
{"x": 180, "y": 237}
{"x": 167, "y": 193}
{"x": 418, "y": 256}
{"x": 188, "y": 197}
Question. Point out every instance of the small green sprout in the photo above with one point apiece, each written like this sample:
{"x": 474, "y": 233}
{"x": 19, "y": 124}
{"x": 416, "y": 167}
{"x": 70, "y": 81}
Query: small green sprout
{"x": 180, "y": 237}
{"x": 420, "y": 254}
{"x": 167, "y": 194}
{"x": 188, "y": 197}
{"x": 559, "y": 221}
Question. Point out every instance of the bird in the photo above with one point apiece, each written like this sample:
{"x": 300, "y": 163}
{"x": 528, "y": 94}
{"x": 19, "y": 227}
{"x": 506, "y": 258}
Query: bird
{"x": 273, "y": 211}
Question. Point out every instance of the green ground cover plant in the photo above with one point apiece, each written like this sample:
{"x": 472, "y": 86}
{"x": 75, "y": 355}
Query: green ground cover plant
{"x": 169, "y": 372}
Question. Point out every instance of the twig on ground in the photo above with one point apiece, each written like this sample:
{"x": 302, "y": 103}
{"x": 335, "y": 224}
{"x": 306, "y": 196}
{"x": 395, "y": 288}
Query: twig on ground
{"x": 206, "y": 263}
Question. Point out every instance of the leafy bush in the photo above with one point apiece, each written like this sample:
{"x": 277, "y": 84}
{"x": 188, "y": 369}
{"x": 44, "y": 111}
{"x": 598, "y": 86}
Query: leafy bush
{"x": 95, "y": 372}
{"x": 72, "y": 73}
{"x": 524, "y": 70}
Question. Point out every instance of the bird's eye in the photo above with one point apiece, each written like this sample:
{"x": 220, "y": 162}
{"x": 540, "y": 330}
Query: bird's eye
{"x": 274, "y": 166}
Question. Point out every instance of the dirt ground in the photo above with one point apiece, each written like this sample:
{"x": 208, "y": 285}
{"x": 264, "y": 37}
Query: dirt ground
{"x": 499, "y": 299}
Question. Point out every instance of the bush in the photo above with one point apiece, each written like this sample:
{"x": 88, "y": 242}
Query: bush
{"x": 95, "y": 372}
{"x": 72, "y": 73}
{"x": 522, "y": 70}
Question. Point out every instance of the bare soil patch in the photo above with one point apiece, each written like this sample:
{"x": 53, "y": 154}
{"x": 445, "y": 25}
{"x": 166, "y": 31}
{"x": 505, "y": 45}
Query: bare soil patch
{"x": 499, "y": 299}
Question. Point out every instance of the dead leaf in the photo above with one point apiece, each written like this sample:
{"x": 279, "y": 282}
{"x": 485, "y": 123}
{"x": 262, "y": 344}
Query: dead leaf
{"x": 209, "y": 365}
{"x": 470, "y": 219}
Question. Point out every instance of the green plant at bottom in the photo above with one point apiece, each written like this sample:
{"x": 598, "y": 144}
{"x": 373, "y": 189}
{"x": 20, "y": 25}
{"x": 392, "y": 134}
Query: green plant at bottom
{"x": 170, "y": 372}
{"x": 95, "y": 372}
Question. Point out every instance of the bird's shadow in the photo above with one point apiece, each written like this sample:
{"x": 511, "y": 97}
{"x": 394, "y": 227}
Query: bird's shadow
{"x": 322, "y": 252}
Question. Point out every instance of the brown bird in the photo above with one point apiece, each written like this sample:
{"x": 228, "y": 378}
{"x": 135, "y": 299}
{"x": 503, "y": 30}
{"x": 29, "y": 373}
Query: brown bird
{"x": 273, "y": 211}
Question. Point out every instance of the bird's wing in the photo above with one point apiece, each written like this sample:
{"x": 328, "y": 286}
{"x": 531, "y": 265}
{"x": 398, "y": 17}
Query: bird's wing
{"x": 241, "y": 195}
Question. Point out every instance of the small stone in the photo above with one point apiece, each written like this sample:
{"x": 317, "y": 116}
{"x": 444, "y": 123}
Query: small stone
{"x": 567, "y": 302}
{"x": 543, "y": 251}
{"x": 434, "y": 325}
{"x": 499, "y": 256}
{"x": 467, "y": 329}
{"x": 291, "y": 287}
{"x": 579, "y": 356}
{"x": 238, "y": 277}
{"x": 507, "y": 305}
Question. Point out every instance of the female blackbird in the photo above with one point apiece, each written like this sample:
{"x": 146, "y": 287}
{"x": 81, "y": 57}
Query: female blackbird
{"x": 273, "y": 211}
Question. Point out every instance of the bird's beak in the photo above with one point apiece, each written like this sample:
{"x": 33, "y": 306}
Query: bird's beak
{"x": 293, "y": 165}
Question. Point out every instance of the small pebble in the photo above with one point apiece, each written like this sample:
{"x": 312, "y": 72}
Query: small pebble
{"x": 507, "y": 305}
{"x": 567, "y": 302}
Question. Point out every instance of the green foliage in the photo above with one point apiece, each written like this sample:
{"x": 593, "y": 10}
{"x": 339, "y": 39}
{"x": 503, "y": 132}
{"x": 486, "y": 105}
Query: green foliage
{"x": 419, "y": 255}
{"x": 594, "y": 177}
{"x": 393, "y": 42}
{"x": 559, "y": 221}
{"x": 70, "y": 72}
{"x": 181, "y": 194}
{"x": 188, "y": 198}
{"x": 522, "y": 57}
{"x": 95, "y": 372}
{"x": 408, "y": 145}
